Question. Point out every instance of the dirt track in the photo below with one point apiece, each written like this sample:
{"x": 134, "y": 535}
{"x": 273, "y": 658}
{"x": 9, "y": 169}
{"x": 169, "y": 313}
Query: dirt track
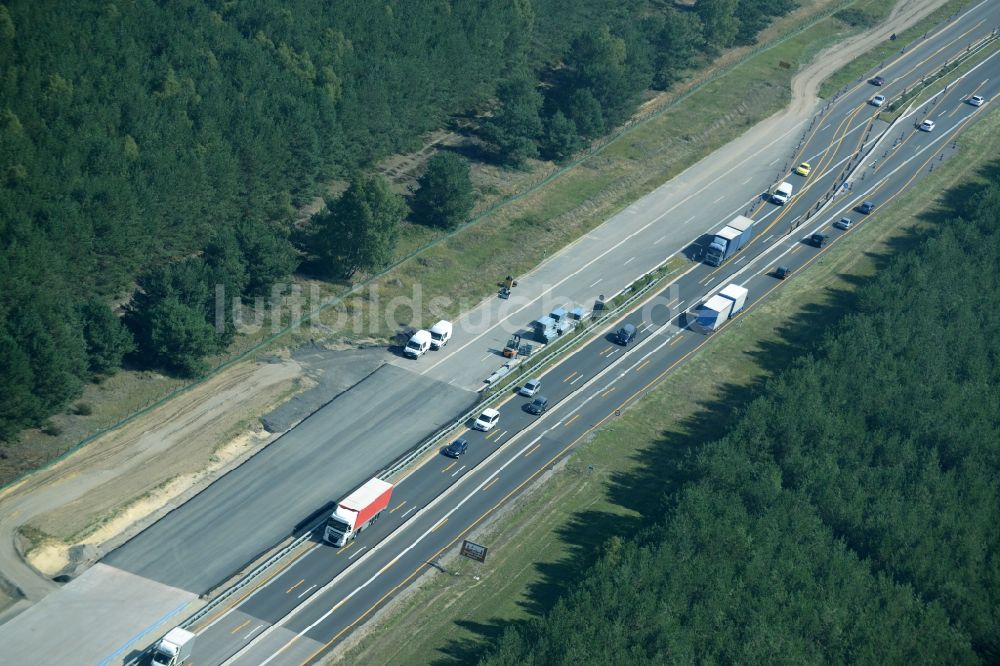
{"x": 161, "y": 456}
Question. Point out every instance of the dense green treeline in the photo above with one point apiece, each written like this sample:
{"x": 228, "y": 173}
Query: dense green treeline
{"x": 850, "y": 514}
{"x": 151, "y": 151}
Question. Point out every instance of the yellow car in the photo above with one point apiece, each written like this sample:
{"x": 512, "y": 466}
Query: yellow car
{"x": 803, "y": 169}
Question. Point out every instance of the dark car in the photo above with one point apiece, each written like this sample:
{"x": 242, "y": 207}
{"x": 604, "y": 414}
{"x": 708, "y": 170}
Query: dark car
{"x": 878, "y": 81}
{"x": 781, "y": 272}
{"x": 456, "y": 448}
{"x": 625, "y": 334}
{"x": 537, "y": 406}
{"x": 817, "y": 240}
{"x": 866, "y": 208}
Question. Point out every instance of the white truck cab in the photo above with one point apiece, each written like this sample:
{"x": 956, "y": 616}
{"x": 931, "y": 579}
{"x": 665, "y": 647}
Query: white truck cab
{"x": 418, "y": 344}
{"x": 174, "y": 649}
{"x": 440, "y": 334}
{"x": 782, "y": 193}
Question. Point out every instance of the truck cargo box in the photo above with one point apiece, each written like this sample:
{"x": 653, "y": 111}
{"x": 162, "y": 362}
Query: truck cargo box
{"x": 737, "y": 294}
{"x": 366, "y": 501}
{"x": 714, "y": 312}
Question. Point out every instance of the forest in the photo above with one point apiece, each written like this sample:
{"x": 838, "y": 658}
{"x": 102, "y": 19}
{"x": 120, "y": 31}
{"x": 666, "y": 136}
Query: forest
{"x": 151, "y": 151}
{"x": 848, "y": 516}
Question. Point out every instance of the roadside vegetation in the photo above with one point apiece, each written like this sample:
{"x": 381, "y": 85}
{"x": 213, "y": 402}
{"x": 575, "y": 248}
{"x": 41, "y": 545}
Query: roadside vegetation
{"x": 148, "y": 188}
{"x": 828, "y": 420}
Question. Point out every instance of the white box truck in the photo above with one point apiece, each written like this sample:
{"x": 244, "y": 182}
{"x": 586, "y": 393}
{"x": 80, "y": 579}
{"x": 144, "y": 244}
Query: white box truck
{"x": 714, "y": 312}
{"x": 737, "y": 294}
{"x": 419, "y": 343}
{"x": 782, "y": 193}
{"x": 440, "y": 334}
{"x": 174, "y": 649}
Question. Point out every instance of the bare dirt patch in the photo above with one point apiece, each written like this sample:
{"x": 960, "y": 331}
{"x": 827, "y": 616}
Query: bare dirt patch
{"x": 119, "y": 482}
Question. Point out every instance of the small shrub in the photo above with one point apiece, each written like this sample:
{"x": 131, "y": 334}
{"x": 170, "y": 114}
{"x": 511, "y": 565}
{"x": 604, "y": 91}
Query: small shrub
{"x": 52, "y": 429}
{"x": 83, "y": 409}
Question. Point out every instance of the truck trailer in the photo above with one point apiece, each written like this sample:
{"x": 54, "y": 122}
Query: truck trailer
{"x": 174, "y": 649}
{"x": 713, "y": 313}
{"x": 357, "y": 511}
{"x": 737, "y": 294}
{"x": 729, "y": 240}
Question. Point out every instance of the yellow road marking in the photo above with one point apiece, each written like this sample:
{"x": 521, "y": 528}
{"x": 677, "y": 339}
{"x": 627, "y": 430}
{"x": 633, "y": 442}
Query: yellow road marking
{"x": 295, "y": 586}
{"x": 608, "y": 391}
{"x": 493, "y": 433}
{"x": 240, "y": 627}
{"x": 676, "y": 339}
{"x": 345, "y": 547}
{"x": 570, "y": 376}
{"x": 572, "y": 418}
{"x": 532, "y": 450}
{"x": 449, "y": 467}
{"x": 398, "y": 507}
{"x": 643, "y": 365}
{"x": 490, "y": 483}
{"x": 436, "y": 528}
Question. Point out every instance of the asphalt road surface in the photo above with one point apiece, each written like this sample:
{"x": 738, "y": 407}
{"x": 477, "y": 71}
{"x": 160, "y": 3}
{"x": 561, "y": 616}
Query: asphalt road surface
{"x": 323, "y": 594}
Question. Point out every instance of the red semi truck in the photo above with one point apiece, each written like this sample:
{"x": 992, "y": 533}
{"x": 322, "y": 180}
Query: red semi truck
{"x": 357, "y": 511}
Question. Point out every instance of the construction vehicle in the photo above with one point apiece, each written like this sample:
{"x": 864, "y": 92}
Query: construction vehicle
{"x": 505, "y": 287}
{"x": 513, "y": 347}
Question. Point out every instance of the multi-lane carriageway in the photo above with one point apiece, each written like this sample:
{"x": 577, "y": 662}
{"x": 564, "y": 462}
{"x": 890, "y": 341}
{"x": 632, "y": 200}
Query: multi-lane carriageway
{"x": 314, "y": 599}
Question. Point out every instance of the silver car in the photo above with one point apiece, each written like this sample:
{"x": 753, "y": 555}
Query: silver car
{"x": 531, "y": 388}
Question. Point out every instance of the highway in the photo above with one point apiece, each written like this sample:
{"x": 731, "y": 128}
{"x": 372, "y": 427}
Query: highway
{"x": 321, "y": 594}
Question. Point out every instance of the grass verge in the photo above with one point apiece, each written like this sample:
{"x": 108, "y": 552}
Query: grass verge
{"x": 545, "y": 537}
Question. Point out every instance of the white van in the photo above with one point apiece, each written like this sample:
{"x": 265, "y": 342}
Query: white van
{"x": 418, "y": 344}
{"x": 440, "y": 334}
{"x": 782, "y": 193}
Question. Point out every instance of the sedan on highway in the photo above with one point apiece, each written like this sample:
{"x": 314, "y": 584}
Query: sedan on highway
{"x": 976, "y": 100}
{"x": 843, "y": 223}
{"x": 803, "y": 169}
{"x": 878, "y": 100}
{"x": 866, "y": 208}
{"x": 456, "y": 448}
{"x": 530, "y": 387}
{"x": 878, "y": 81}
{"x": 538, "y": 405}
{"x": 487, "y": 420}
{"x": 926, "y": 126}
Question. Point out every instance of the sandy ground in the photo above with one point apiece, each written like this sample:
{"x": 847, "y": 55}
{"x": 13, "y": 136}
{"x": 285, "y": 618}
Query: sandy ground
{"x": 115, "y": 486}
{"x": 120, "y": 482}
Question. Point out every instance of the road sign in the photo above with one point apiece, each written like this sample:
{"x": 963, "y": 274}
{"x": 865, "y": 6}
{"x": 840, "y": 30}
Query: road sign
{"x": 474, "y": 551}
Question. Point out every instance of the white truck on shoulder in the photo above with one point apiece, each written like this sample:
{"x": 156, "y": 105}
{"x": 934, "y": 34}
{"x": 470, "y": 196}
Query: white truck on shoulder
{"x": 174, "y": 649}
{"x": 440, "y": 334}
{"x": 782, "y": 193}
{"x": 418, "y": 345}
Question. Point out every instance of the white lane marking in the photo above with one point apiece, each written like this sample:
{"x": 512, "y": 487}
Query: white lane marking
{"x": 613, "y": 352}
{"x": 824, "y": 127}
{"x": 500, "y": 436}
{"x": 405, "y": 513}
{"x": 710, "y": 281}
{"x": 453, "y": 474}
{"x": 596, "y": 283}
{"x": 356, "y": 552}
{"x": 485, "y": 357}
{"x": 743, "y": 258}
{"x": 689, "y": 220}
{"x": 774, "y": 162}
{"x": 310, "y": 588}
{"x": 579, "y": 377}
{"x": 253, "y": 631}
{"x": 719, "y": 199}
{"x": 659, "y": 240}
{"x": 768, "y": 238}
{"x": 746, "y": 181}
{"x": 628, "y": 261}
